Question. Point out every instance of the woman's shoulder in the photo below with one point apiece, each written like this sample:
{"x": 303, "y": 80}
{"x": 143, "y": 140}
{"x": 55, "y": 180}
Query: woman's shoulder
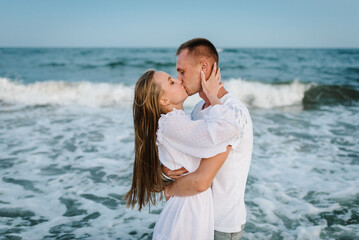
{"x": 170, "y": 119}
{"x": 174, "y": 114}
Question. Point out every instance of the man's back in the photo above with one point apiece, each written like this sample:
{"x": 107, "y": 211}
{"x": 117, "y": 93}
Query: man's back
{"x": 229, "y": 184}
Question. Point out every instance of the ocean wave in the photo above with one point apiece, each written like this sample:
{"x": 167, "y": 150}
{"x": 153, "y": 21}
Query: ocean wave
{"x": 148, "y": 64}
{"x": 352, "y": 69}
{"x": 88, "y": 66}
{"x": 65, "y": 93}
{"x": 254, "y": 94}
{"x": 231, "y": 50}
{"x": 330, "y": 94}
{"x": 263, "y": 95}
{"x": 116, "y": 64}
{"x": 155, "y": 64}
{"x": 53, "y": 64}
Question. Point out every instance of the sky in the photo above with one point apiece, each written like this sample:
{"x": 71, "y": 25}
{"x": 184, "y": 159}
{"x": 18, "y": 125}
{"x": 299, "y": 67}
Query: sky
{"x": 232, "y": 23}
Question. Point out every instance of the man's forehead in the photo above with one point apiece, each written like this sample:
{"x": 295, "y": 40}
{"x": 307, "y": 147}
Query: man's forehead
{"x": 181, "y": 57}
{"x": 180, "y": 62}
{"x": 184, "y": 58}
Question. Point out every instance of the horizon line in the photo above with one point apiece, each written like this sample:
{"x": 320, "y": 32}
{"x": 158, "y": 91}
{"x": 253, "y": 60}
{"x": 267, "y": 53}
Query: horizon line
{"x": 220, "y": 47}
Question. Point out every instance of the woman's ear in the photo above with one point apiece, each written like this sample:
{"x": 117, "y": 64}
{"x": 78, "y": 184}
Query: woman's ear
{"x": 164, "y": 101}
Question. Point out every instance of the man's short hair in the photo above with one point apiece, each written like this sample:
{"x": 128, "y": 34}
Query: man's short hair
{"x": 199, "y": 47}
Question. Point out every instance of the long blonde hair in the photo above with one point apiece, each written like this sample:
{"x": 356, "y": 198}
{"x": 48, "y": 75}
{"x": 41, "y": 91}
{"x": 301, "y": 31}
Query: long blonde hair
{"x": 147, "y": 175}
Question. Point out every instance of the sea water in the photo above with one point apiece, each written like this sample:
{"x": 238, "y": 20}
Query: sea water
{"x": 67, "y": 141}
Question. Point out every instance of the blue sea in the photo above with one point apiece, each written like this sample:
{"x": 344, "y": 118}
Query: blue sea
{"x": 67, "y": 140}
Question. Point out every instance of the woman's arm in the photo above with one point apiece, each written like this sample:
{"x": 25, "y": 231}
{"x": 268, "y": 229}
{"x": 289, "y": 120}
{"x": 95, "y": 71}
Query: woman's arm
{"x": 203, "y": 138}
{"x": 200, "y": 180}
{"x": 212, "y": 134}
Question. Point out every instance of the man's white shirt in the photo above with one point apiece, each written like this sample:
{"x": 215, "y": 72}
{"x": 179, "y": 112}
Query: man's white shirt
{"x": 229, "y": 185}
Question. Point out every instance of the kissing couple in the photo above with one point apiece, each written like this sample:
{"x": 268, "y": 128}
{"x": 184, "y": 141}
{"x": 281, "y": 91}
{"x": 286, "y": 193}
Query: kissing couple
{"x": 200, "y": 163}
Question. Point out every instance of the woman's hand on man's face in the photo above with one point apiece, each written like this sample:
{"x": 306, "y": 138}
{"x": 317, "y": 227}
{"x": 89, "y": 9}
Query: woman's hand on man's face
{"x": 213, "y": 84}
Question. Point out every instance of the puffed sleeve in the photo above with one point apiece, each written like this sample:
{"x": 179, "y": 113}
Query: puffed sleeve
{"x": 201, "y": 138}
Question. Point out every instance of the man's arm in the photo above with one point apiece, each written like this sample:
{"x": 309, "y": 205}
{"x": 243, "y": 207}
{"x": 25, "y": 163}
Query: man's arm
{"x": 200, "y": 180}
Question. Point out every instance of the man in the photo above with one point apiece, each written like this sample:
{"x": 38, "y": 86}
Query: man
{"x": 229, "y": 177}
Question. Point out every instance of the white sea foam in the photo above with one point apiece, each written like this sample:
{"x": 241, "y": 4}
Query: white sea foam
{"x": 263, "y": 95}
{"x": 65, "y": 93}
{"x": 57, "y": 160}
{"x": 254, "y": 94}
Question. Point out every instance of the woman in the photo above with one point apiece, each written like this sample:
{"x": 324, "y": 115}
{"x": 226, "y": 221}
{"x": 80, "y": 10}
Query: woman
{"x": 164, "y": 134}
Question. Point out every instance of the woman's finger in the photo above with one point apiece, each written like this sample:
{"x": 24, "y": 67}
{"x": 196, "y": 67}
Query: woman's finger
{"x": 214, "y": 69}
{"x": 218, "y": 72}
{"x": 203, "y": 77}
{"x": 203, "y": 80}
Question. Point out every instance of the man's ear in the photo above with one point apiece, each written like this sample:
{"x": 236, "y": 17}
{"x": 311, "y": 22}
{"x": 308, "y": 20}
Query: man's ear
{"x": 204, "y": 66}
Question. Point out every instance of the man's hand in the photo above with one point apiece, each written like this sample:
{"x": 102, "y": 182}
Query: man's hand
{"x": 174, "y": 174}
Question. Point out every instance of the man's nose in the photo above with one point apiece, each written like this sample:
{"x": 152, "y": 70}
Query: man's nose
{"x": 178, "y": 81}
{"x": 179, "y": 77}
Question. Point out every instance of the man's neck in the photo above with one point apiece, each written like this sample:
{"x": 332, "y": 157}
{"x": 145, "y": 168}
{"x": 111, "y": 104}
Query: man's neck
{"x": 221, "y": 92}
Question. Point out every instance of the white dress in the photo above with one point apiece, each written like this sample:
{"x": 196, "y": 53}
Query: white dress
{"x": 182, "y": 143}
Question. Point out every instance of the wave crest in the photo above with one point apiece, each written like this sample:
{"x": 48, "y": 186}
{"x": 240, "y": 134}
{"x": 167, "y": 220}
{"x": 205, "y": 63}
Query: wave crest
{"x": 254, "y": 94}
{"x": 262, "y": 95}
{"x": 65, "y": 93}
